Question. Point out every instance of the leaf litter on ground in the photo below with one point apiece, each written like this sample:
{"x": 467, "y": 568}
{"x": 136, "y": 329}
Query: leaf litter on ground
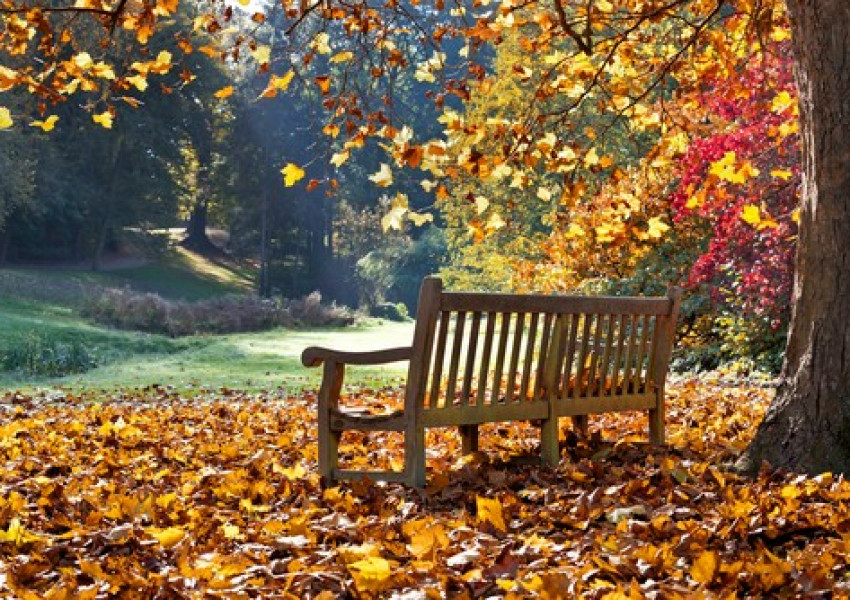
{"x": 154, "y": 495}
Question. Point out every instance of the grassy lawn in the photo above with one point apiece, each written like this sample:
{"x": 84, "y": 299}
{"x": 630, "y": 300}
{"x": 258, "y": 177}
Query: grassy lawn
{"x": 252, "y": 362}
{"x": 248, "y": 361}
{"x": 37, "y": 311}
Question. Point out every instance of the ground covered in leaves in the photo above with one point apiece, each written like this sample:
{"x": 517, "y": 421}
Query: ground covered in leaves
{"x": 151, "y": 495}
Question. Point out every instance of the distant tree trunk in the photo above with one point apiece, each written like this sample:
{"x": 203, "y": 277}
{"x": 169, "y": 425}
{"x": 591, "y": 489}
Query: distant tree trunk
{"x": 5, "y": 240}
{"x": 106, "y": 217}
{"x": 807, "y": 427}
{"x": 264, "y": 286}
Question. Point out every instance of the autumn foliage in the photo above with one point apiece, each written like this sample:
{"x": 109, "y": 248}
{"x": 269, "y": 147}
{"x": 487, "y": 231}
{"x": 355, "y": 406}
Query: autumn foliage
{"x": 149, "y": 494}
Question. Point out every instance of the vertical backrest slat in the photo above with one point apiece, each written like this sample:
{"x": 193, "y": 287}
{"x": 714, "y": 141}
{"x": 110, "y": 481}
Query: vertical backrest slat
{"x": 499, "y": 367}
{"x": 484, "y": 372}
{"x": 555, "y": 359}
{"x": 439, "y": 358}
{"x": 640, "y": 370}
{"x": 530, "y": 346}
{"x": 469, "y": 369}
{"x": 622, "y": 333}
{"x": 605, "y": 365}
{"x": 582, "y": 356}
{"x": 653, "y": 353}
{"x": 542, "y": 358}
{"x": 516, "y": 351}
{"x": 454, "y": 362}
{"x": 595, "y": 355}
{"x": 569, "y": 372}
{"x": 631, "y": 353}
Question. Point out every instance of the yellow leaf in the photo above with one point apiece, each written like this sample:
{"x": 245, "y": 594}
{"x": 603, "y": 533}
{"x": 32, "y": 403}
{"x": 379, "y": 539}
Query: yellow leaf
{"x": 384, "y": 176}
{"x": 481, "y": 204}
{"x": 47, "y": 125}
{"x": 104, "y": 119}
{"x": 292, "y": 174}
{"x": 782, "y": 174}
{"x": 5, "y": 118}
{"x": 225, "y": 92}
{"x": 17, "y": 533}
{"x": 544, "y": 194}
{"x": 704, "y": 567}
{"x": 591, "y": 158}
{"x": 162, "y": 64}
{"x": 83, "y": 60}
{"x": 657, "y": 227}
{"x": 321, "y": 43}
{"x": 340, "y": 57}
{"x": 494, "y": 222}
{"x": 167, "y": 537}
{"x": 262, "y": 54}
{"x": 782, "y": 101}
{"x": 339, "y": 158}
{"x": 489, "y": 510}
{"x": 574, "y": 231}
{"x": 372, "y": 574}
{"x": 139, "y": 82}
{"x": 750, "y": 214}
{"x": 419, "y": 219}
{"x": 231, "y": 532}
{"x": 398, "y": 209}
{"x": 103, "y": 70}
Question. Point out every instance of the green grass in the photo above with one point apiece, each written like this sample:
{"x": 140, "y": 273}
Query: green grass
{"x": 255, "y": 361}
{"x": 258, "y": 361}
{"x": 41, "y": 303}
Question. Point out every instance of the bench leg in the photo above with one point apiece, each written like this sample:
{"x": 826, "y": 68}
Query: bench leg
{"x": 328, "y": 453}
{"x": 656, "y": 427}
{"x": 329, "y": 440}
{"x": 414, "y": 456}
{"x": 469, "y": 438}
{"x": 549, "y": 453}
{"x": 580, "y": 423}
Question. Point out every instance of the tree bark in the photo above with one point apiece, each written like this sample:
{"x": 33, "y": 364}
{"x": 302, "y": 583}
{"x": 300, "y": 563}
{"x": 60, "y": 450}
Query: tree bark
{"x": 807, "y": 426}
{"x": 106, "y": 216}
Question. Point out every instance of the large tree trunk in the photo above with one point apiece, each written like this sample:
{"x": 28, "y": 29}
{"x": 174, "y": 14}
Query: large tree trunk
{"x": 807, "y": 427}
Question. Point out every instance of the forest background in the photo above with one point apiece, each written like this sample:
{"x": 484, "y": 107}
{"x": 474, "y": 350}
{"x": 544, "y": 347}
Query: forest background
{"x": 690, "y": 179}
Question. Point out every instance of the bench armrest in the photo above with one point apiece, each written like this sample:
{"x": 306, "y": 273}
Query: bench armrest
{"x": 314, "y": 356}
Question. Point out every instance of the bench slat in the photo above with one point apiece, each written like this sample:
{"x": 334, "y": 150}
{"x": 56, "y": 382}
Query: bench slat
{"x": 561, "y": 304}
{"x": 437, "y": 359}
{"x": 622, "y": 327}
{"x": 454, "y": 362}
{"x": 606, "y": 355}
{"x": 474, "y": 415}
{"x": 581, "y": 366}
{"x": 499, "y": 366}
{"x": 540, "y": 375}
{"x": 530, "y": 348}
{"x": 516, "y": 351}
{"x": 484, "y": 372}
{"x": 469, "y": 369}
{"x": 565, "y": 407}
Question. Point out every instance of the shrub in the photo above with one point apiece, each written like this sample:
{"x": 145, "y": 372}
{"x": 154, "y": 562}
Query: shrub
{"x": 126, "y": 309}
{"x": 390, "y": 311}
{"x": 39, "y": 354}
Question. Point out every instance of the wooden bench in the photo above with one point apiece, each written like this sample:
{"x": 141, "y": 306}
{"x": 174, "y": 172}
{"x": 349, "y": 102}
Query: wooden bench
{"x": 484, "y": 357}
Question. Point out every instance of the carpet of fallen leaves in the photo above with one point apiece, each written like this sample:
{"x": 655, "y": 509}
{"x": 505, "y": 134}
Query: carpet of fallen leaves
{"x": 152, "y": 495}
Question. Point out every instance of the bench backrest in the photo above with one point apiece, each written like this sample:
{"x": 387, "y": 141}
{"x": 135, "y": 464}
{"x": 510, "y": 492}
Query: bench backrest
{"x": 480, "y": 357}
